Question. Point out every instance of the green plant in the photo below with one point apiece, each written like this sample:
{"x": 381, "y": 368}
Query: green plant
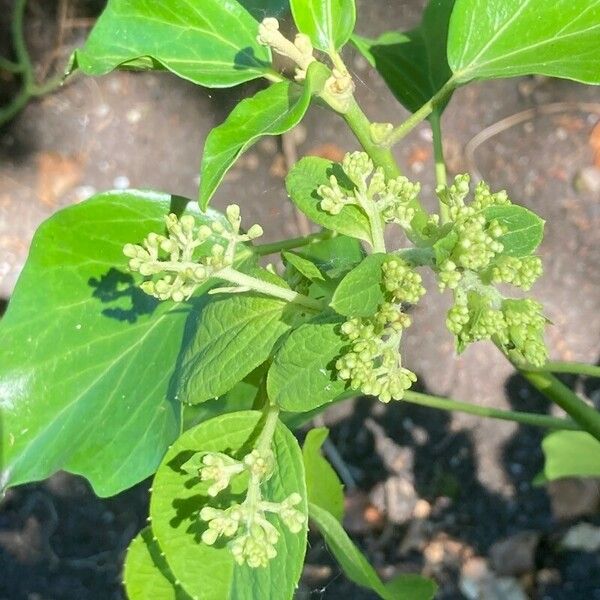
{"x": 22, "y": 67}
{"x": 145, "y": 337}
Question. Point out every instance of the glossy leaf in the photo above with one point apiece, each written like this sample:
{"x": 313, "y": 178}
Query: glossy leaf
{"x": 328, "y": 23}
{"x": 413, "y": 64}
{"x": 357, "y": 568}
{"x": 506, "y": 38}
{"x": 146, "y": 572}
{"x": 209, "y": 572}
{"x": 305, "y": 267}
{"x": 236, "y": 334}
{"x": 571, "y": 454}
{"x": 302, "y": 376}
{"x": 302, "y": 183}
{"x": 525, "y": 228}
{"x": 271, "y": 111}
{"x": 87, "y": 359}
{"x": 212, "y": 43}
{"x": 335, "y": 256}
{"x": 323, "y": 486}
{"x": 360, "y": 293}
{"x": 260, "y": 9}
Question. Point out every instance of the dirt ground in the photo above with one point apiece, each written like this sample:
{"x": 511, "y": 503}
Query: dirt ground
{"x": 428, "y": 492}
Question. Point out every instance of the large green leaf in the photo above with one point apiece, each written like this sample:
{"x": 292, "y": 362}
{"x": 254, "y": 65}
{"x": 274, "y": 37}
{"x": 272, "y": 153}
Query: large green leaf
{"x": 87, "y": 359}
{"x": 322, "y": 483}
{"x": 505, "y": 38}
{"x": 209, "y": 42}
{"x": 360, "y": 293}
{"x": 328, "y": 23}
{"x": 209, "y": 572}
{"x": 272, "y": 111}
{"x": 413, "y": 64}
{"x": 571, "y": 454}
{"x": 357, "y": 568}
{"x": 302, "y": 183}
{"x": 302, "y": 376}
{"x": 525, "y": 230}
{"x": 147, "y": 574}
{"x": 236, "y": 334}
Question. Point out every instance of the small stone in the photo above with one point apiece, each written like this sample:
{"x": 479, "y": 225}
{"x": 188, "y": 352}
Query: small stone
{"x": 121, "y": 182}
{"x": 587, "y": 180}
{"x": 422, "y": 509}
{"x": 515, "y": 555}
{"x": 583, "y": 536}
{"x": 396, "y": 498}
{"x": 478, "y": 582}
{"x": 571, "y": 497}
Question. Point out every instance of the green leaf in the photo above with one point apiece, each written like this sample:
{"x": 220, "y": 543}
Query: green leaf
{"x": 413, "y": 64}
{"x": 272, "y": 111}
{"x": 87, "y": 359}
{"x": 506, "y": 38}
{"x": 335, "y": 256}
{"x": 240, "y": 397}
{"x": 260, "y": 9}
{"x": 357, "y": 568}
{"x": 236, "y": 334}
{"x": 571, "y": 454}
{"x": 146, "y": 572}
{"x": 212, "y": 43}
{"x": 303, "y": 266}
{"x": 525, "y": 228}
{"x": 209, "y": 572}
{"x": 360, "y": 293}
{"x": 322, "y": 483}
{"x": 302, "y": 182}
{"x": 303, "y": 375}
{"x": 443, "y": 247}
{"x": 328, "y": 23}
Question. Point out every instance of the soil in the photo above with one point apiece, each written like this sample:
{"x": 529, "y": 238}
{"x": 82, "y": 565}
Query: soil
{"x": 470, "y": 478}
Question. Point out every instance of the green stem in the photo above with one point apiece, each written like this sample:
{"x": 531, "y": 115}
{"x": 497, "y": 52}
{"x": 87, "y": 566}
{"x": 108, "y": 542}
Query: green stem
{"x": 576, "y": 368}
{"x": 375, "y": 221}
{"x": 270, "y": 289}
{"x": 440, "y": 164}
{"x": 381, "y": 156}
{"x": 581, "y": 412}
{"x": 265, "y": 438}
{"x": 493, "y": 413}
{"x": 361, "y": 127}
{"x": 9, "y": 65}
{"x": 23, "y": 65}
{"x": 273, "y": 247}
{"x": 421, "y": 114}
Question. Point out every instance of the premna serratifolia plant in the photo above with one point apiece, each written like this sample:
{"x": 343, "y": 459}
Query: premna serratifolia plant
{"x": 147, "y": 335}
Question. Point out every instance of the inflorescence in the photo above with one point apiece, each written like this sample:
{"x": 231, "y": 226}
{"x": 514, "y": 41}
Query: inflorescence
{"x": 473, "y": 263}
{"x": 187, "y": 256}
{"x": 390, "y": 199}
{"x": 373, "y": 363}
{"x": 252, "y": 536}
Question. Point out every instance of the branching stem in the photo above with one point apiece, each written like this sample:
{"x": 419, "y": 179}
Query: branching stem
{"x": 24, "y": 67}
{"x": 270, "y": 289}
{"x": 421, "y": 114}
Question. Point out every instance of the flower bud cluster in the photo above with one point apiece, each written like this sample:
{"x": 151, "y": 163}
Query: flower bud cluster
{"x": 402, "y": 281}
{"x": 300, "y": 51}
{"x": 526, "y": 323}
{"x": 253, "y": 536}
{"x": 517, "y": 325}
{"x": 170, "y": 259}
{"x": 372, "y": 362}
{"x": 392, "y": 199}
{"x": 520, "y": 272}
